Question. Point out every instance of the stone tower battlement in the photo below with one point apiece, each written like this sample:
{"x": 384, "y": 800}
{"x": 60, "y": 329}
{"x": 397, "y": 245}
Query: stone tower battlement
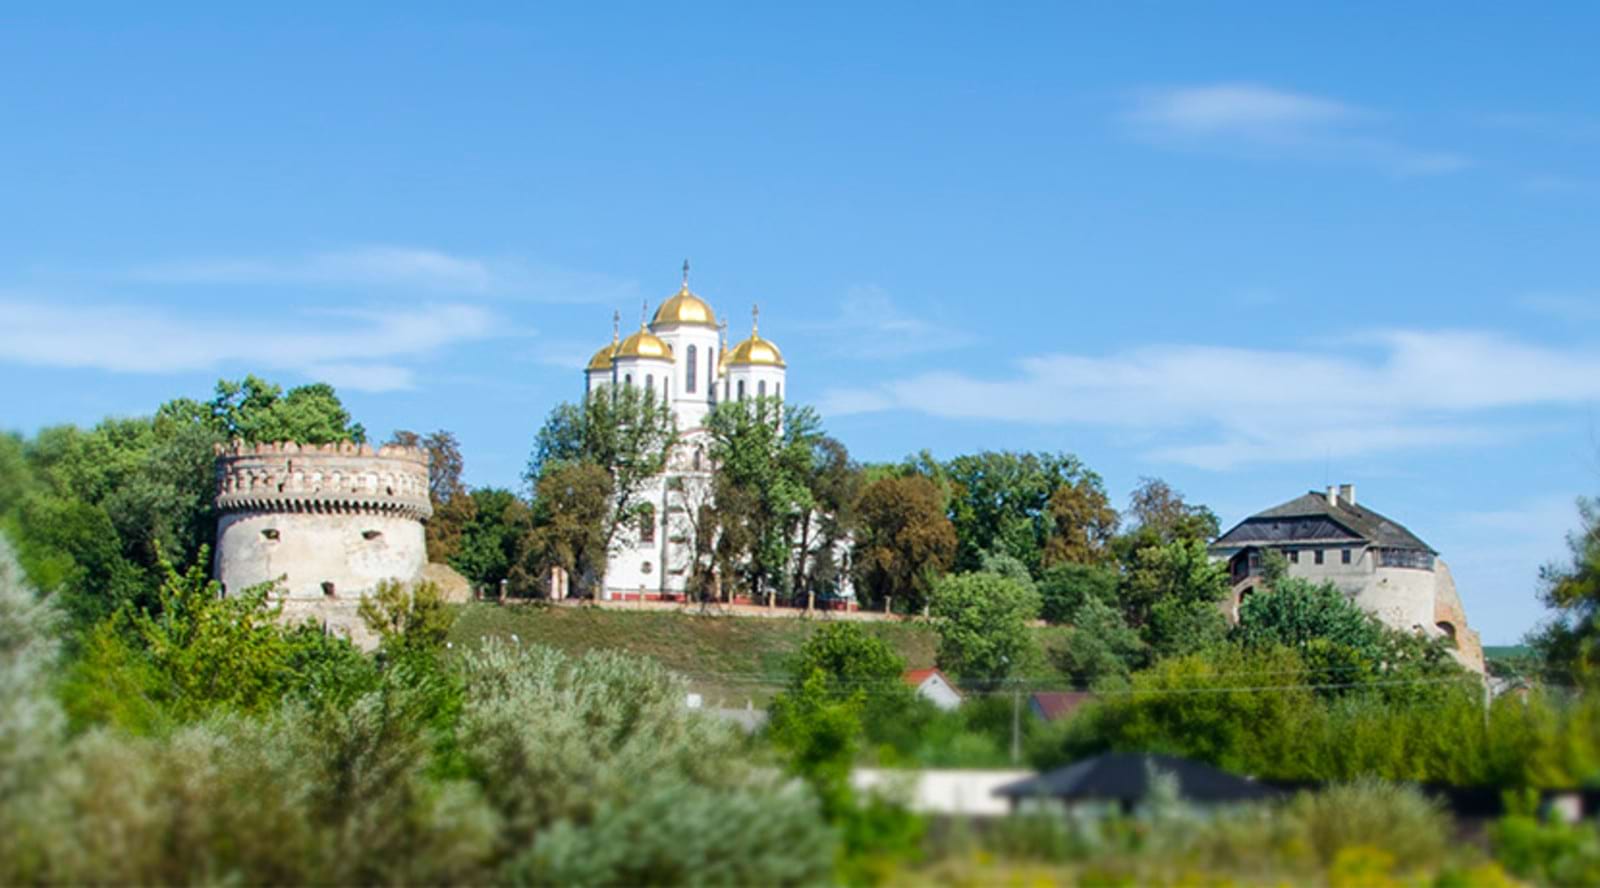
{"x": 339, "y": 478}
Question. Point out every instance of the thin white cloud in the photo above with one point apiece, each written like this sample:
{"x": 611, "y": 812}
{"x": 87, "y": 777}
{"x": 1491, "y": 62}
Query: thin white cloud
{"x": 1221, "y": 407}
{"x": 354, "y": 348}
{"x": 871, "y": 325}
{"x": 1260, "y": 121}
{"x": 400, "y": 267}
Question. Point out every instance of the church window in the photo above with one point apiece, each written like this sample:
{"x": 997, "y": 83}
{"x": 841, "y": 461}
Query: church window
{"x": 761, "y": 389}
{"x": 690, "y": 381}
{"x": 698, "y": 456}
{"x": 711, "y": 370}
{"x": 741, "y": 390}
{"x": 650, "y": 381}
{"x": 628, "y": 379}
{"x": 647, "y": 523}
{"x": 779, "y": 393}
{"x": 327, "y": 590}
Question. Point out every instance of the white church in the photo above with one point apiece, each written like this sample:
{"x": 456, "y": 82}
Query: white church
{"x": 683, "y": 355}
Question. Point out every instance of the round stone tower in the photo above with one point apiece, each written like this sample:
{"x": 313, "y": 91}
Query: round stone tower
{"x": 326, "y": 523}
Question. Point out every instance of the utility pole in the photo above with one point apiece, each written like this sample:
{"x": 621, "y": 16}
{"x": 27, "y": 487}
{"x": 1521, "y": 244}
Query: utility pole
{"x": 1016, "y": 724}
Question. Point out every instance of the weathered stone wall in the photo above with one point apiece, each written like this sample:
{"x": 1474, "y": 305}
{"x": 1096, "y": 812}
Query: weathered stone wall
{"x": 326, "y": 523}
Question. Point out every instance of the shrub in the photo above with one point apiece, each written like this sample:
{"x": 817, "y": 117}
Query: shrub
{"x": 1394, "y": 819}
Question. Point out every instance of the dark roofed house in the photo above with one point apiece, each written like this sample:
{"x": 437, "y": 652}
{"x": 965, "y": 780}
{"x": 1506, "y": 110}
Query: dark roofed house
{"x": 1055, "y": 705}
{"x": 1123, "y": 778}
{"x": 1378, "y": 562}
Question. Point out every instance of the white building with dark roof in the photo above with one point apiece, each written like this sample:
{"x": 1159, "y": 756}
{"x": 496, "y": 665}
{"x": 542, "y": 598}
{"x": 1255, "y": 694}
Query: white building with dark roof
{"x": 1384, "y": 567}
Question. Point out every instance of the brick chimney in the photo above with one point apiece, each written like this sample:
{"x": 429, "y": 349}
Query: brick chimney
{"x": 1347, "y": 492}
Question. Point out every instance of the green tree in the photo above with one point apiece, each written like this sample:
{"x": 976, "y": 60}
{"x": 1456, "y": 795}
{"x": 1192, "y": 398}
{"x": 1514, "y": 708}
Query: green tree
{"x": 407, "y": 621}
{"x": 982, "y": 620}
{"x": 766, "y": 452}
{"x": 1000, "y": 502}
{"x": 1159, "y": 514}
{"x": 453, "y": 505}
{"x": 1569, "y": 642}
{"x": 1066, "y": 587}
{"x": 492, "y": 538}
{"x": 1181, "y": 571}
{"x": 835, "y": 484}
{"x": 1099, "y": 647}
{"x": 210, "y": 652}
{"x": 571, "y": 507}
{"x": 903, "y": 540}
{"x": 255, "y": 410}
{"x": 626, "y": 431}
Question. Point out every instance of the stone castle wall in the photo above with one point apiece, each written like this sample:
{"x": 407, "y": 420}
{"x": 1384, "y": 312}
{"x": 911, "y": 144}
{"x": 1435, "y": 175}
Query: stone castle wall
{"x": 326, "y": 524}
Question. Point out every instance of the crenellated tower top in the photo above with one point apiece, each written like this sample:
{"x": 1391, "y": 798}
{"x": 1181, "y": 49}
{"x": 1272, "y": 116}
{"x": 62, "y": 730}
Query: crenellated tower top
{"x": 338, "y": 478}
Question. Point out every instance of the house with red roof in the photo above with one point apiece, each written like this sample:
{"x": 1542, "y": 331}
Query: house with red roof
{"x": 933, "y": 686}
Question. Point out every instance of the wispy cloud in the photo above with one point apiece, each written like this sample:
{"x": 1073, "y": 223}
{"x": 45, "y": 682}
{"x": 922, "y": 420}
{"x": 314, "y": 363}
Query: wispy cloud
{"x": 1260, "y": 121}
{"x": 871, "y": 324}
{"x": 353, "y": 348}
{"x": 1217, "y": 407}
{"x": 400, "y": 267}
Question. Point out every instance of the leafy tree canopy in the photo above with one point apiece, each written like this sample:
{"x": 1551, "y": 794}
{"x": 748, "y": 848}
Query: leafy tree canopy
{"x": 1569, "y": 644}
{"x": 982, "y": 620}
{"x": 255, "y": 410}
{"x": 903, "y": 540}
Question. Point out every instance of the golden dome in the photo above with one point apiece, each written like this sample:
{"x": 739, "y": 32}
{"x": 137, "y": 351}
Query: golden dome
{"x": 643, "y": 344}
{"x": 602, "y": 358}
{"x": 683, "y": 307}
{"x": 755, "y": 350}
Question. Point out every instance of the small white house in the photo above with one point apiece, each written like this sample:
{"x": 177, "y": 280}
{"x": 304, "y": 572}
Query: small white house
{"x": 932, "y": 685}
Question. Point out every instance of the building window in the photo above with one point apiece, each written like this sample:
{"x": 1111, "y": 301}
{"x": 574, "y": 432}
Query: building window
{"x": 628, "y": 379}
{"x": 650, "y": 382}
{"x": 1319, "y": 556}
{"x": 761, "y": 389}
{"x": 690, "y": 381}
{"x": 711, "y": 370}
{"x": 647, "y": 523}
{"x": 779, "y": 392}
{"x": 1344, "y": 556}
{"x": 741, "y": 390}
{"x": 1294, "y": 556}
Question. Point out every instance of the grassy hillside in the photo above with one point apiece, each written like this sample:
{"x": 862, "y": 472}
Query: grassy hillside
{"x": 728, "y": 659}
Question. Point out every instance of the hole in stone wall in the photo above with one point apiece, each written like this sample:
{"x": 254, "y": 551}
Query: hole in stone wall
{"x": 270, "y": 533}
{"x": 371, "y": 534}
{"x": 327, "y": 589}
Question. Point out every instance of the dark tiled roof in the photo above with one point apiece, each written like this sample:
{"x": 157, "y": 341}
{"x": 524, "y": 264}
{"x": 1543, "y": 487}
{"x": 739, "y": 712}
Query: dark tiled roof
{"x": 1125, "y": 776}
{"x": 1051, "y": 705}
{"x": 1309, "y": 517}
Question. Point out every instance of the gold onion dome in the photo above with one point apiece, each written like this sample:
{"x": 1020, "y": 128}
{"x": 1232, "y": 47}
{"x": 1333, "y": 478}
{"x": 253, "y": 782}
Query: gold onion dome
{"x": 754, "y": 350}
{"x": 683, "y": 307}
{"x": 602, "y": 358}
{"x": 643, "y": 344}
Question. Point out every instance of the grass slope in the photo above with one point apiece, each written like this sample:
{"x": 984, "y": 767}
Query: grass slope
{"x": 730, "y": 660}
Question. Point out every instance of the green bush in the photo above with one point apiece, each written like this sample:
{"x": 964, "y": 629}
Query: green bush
{"x": 1394, "y": 818}
{"x": 1548, "y": 853}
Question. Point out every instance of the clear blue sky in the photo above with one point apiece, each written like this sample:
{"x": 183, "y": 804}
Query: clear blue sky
{"x": 1248, "y": 248}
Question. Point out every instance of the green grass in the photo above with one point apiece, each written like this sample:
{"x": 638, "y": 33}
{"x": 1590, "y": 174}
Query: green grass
{"x": 728, "y": 659}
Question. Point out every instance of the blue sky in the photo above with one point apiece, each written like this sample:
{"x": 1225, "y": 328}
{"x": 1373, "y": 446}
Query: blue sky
{"x": 1247, "y": 248}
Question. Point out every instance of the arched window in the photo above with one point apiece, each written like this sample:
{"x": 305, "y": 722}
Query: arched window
{"x": 650, "y": 381}
{"x": 780, "y": 391}
{"x": 698, "y": 454}
{"x": 761, "y": 389}
{"x": 628, "y": 379}
{"x": 647, "y": 523}
{"x": 741, "y": 390}
{"x": 693, "y": 375}
{"x": 711, "y": 370}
